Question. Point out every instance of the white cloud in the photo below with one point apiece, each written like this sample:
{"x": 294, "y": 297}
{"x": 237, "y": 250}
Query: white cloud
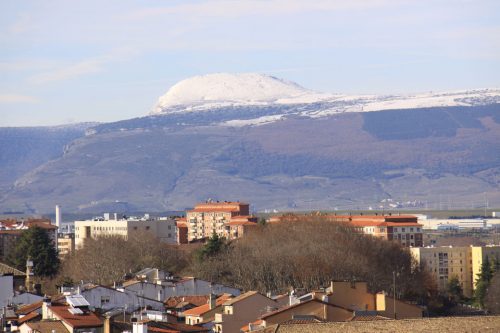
{"x": 15, "y": 98}
{"x": 231, "y": 8}
{"x": 84, "y": 67}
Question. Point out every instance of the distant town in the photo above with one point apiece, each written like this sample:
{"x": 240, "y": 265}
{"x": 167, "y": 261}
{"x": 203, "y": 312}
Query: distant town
{"x": 219, "y": 267}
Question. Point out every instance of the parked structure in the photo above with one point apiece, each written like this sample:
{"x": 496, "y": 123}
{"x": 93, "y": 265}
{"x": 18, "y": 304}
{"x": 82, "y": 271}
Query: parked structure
{"x": 227, "y": 219}
{"x": 164, "y": 228}
{"x": 463, "y": 263}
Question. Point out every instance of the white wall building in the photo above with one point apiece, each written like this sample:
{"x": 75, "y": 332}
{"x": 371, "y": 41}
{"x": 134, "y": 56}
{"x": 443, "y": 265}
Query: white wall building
{"x": 164, "y": 228}
{"x": 106, "y": 298}
{"x": 185, "y": 287}
{"x": 6, "y": 289}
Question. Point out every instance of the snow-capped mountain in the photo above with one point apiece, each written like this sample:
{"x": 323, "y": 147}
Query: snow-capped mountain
{"x": 217, "y": 91}
{"x": 296, "y": 150}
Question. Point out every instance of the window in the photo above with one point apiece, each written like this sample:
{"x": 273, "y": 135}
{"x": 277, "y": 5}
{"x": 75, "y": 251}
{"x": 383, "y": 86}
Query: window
{"x": 403, "y": 229}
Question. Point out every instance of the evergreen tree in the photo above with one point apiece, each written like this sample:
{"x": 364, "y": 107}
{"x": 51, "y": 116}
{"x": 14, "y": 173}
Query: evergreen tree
{"x": 213, "y": 246}
{"x": 483, "y": 282}
{"x": 455, "y": 292}
{"x": 36, "y": 245}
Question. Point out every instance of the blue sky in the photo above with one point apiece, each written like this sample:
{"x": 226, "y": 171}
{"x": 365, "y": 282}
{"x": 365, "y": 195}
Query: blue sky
{"x": 73, "y": 61}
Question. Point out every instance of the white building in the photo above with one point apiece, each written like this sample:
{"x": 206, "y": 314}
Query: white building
{"x": 186, "y": 287}
{"x": 164, "y": 228}
{"x": 106, "y": 299}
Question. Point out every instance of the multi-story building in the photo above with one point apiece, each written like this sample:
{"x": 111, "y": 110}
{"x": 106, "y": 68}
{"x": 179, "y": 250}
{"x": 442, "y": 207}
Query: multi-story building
{"x": 11, "y": 230}
{"x": 462, "y": 262}
{"x": 164, "y": 228}
{"x": 65, "y": 244}
{"x": 216, "y": 217}
{"x": 403, "y": 229}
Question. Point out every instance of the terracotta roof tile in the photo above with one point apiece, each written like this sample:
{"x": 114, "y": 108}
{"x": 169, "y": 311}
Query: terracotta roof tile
{"x": 48, "y": 326}
{"x": 25, "y": 309}
{"x": 28, "y": 317}
{"x": 87, "y": 319}
{"x": 200, "y": 310}
{"x": 240, "y": 297}
{"x": 196, "y": 300}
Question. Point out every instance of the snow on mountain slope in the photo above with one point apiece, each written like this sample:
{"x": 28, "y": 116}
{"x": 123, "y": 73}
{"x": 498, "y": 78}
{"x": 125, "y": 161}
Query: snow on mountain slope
{"x": 215, "y": 91}
{"x": 224, "y": 89}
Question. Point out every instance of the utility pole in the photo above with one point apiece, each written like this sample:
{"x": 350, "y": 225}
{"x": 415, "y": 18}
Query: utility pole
{"x": 394, "y": 292}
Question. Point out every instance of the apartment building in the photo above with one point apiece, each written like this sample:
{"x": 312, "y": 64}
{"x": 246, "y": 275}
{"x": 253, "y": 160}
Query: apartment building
{"x": 463, "y": 262}
{"x": 164, "y": 228}
{"x": 209, "y": 217}
{"x": 65, "y": 244}
{"x": 12, "y": 229}
{"x": 403, "y": 229}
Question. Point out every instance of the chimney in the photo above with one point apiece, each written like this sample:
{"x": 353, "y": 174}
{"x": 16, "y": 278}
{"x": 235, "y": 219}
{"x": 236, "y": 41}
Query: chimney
{"x": 58, "y": 217}
{"x": 212, "y": 301}
{"x": 29, "y": 267}
{"x": 45, "y": 307}
{"x": 139, "y": 327}
{"x": 108, "y": 320}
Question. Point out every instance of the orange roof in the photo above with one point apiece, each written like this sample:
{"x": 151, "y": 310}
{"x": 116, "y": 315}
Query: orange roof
{"x": 200, "y": 310}
{"x": 240, "y": 223}
{"x": 367, "y": 223}
{"x": 162, "y": 330}
{"x": 383, "y": 224}
{"x": 28, "y": 317}
{"x": 246, "y": 328}
{"x": 87, "y": 319}
{"x": 12, "y": 232}
{"x": 25, "y": 309}
{"x": 221, "y": 209}
{"x": 403, "y": 224}
{"x": 196, "y": 300}
{"x": 48, "y": 326}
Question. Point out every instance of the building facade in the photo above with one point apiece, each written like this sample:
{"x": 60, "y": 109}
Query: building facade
{"x": 164, "y": 228}
{"x": 12, "y": 229}
{"x": 65, "y": 244}
{"x": 215, "y": 217}
{"x": 462, "y": 262}
{"x": 403, "y": 229}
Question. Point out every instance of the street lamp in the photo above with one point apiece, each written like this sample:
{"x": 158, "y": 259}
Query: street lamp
{"x": 394, "y": 292}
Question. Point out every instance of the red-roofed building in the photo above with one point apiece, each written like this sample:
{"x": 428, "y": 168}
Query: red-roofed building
{"x": 207, "y": 218}
{"x": 75, "y": 315}
{"x": 11, "y": 230}
{"x": 403, "y": 229}
{"x": 205, "y": 314}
